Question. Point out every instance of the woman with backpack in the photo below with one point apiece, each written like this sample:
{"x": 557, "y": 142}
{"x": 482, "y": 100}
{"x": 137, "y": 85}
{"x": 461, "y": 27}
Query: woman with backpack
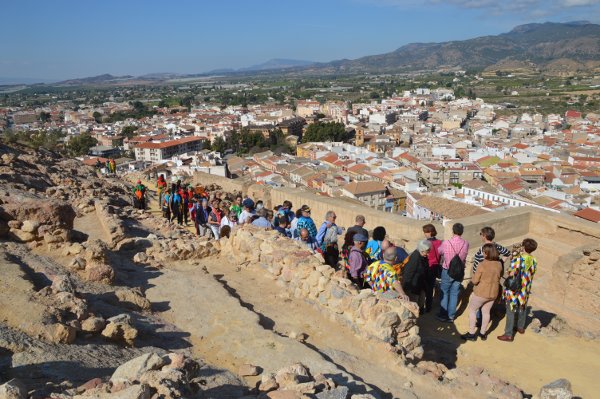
{"x": 486, "y": 282}
{"x": 374, "y": 249}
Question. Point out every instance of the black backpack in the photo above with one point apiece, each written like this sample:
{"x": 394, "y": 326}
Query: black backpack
{"x": 456, "y": 268}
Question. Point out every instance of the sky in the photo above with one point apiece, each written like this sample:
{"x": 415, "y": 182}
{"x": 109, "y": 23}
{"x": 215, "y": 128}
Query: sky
{"x": 64, "y": 39}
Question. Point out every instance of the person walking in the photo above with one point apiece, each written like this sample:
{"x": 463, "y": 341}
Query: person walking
{"x": 486, "y": 282}
{"x": 450, "y": 287}
{"x": 327, "y": 239}
{"x": 523, "y": 268}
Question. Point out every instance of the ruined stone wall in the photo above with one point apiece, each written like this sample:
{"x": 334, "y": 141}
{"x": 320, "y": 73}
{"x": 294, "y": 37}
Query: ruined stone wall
{"x": 377, "y": 317}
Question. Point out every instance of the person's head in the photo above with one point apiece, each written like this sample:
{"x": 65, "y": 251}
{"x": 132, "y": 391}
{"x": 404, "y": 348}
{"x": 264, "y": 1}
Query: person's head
{"x": 458, "y": 229}
{"x": 529, "y": 245}
{"x": 259, "y": 205}
{"x": 389, "y": 255}
{"x": 305, "y": 211}
{"x": 269, "y": 215}
{"x": 379, "y": 233}
{"x": 283, "y": 221}
{"x": 225, "y": 210}
{"x": 490, "y": 252}
{"x": 161, "y": 177}
{"x": 225, "y": 231}
{"x": 429, "y": 230}
{"x": 248, "y": 204}
{"x": 218, "y": 194}
{"x": 139, "y": 182}
{"x": 233, "y": 217}
{"x": 330, "y": 216}
{"x": 385, "y": 244}
{"x": 359, "y": 240}
{"x": 360, "y": 220}
{"x": 261, "y": 213}
{"x": 424, "y": 246}
{"x": 304, "y": 234}
{"x": 287, "y": 204}
{"x": 487, "y": 234}
{"x": 298, "y": 212}
{"x": 204, "y": 203}
{"x": 238, "y": 200}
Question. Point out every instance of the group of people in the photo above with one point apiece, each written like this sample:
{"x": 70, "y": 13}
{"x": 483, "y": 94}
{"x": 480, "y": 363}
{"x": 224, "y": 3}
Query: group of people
{"x": 372, "y": 261}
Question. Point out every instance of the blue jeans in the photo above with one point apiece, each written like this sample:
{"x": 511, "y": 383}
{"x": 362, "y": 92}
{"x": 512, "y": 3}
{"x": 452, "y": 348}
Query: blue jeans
{"x": 449, "y": 295}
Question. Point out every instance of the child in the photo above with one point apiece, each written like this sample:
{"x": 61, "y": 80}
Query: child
{"x": 486, "y": 283}
{"x": 516, "y": 302}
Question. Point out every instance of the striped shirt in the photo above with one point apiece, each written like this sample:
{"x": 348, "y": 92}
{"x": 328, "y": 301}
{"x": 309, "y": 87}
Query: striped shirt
{"x": 479, "y": 255}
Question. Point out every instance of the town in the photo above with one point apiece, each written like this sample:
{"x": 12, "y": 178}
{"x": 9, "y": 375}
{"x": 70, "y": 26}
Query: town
{"x": 420, "y": 151}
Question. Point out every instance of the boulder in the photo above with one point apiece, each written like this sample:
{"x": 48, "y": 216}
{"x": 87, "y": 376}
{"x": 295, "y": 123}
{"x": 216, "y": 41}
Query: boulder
{"x": 60, "y": 333}
{"x": 133, "y": 298}
{"x": 247, "y": 370}
{"x": 119, "y": 328}
{"x": 62, "y": 283}
{"x": 337, "y": 393}
{"x": 135, "y": 368}
{"x": 130, "y": 392}
{"x": 292, "y": 375}
{"x": 93, "y": 324}
{"x": 169, "y": 384}
{"x": 559, "y": 389}
{"x": 21, "y": 236}
{"x": 13, "y": 389}
{"x": 99, "y": 273}
{"x": 140, "y": 257}
{"x": 268, "y": 383}
{"x": 42, "y": 210}
{"x": 30, "y": 226}
{"x": 285, "y": 394}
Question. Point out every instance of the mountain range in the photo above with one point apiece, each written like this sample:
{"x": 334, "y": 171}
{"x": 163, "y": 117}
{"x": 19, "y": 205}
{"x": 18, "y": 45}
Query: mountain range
{"x": 563, "y": 47}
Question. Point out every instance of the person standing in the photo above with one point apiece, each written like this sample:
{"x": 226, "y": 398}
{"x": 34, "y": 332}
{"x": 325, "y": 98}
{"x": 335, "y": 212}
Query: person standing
{"x": 358, "y": 260}
{"x": 433, "y": 260}
{"x": 161, "y": 186}
{"x": 248, "y": 212}
{"x": 214, "y": 219}
{"x": 450, "y": 288}
{"x": 202, "y": 218}
{"x": 525, "y": 266}
{"x": 487, "y": 236}
{"x": 413, "y": 274}
{"x": 374, "y": 247}
{"x": 359, "y": 228}
{"x": 306, "y": 222}
{"x": 486, "y": 282}
{"x": 307, "y": 241}
{"x": 327, "y": 239}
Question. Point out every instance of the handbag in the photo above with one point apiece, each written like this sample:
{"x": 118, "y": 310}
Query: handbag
{"x": 513, "y": 283}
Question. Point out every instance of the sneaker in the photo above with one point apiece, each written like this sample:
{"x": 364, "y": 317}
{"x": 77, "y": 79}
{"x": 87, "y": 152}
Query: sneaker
{"x": 483, "y": 337}
{"x": 469, "y": 337}
{"x": 506, "y": 338}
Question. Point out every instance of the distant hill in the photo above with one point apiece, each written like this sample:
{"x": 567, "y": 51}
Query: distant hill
{"x": 276, "y": 63}
{"x": 538, "y": 43}
{"x": 100, "y": 79}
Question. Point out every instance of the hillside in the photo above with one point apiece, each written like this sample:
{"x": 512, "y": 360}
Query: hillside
{"x": 539, "y": 43}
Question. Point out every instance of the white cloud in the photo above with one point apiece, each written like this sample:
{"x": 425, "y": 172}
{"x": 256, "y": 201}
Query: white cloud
{"x": 577, "y": 3}
{"x": 498, "y": 7}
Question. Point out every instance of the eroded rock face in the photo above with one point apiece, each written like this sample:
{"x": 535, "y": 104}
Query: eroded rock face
{"x": 13, "y": 389}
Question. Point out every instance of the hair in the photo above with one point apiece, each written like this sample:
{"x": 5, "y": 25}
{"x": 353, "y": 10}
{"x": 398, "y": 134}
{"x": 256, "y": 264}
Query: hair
{"x": 458, "y": 229}
{"x": 379, "y": 233}
{"x": 429, "y": 228}
{"x": 389, "y": 255}
{"x": 269, "y": 215}
{"x": 225, "y": 231}
{"x": 349, "y": 238}
{"x": 238, "y": 196}
{"x": 262, "y": 212}
{"x": 225, "y": 211}
{"x": 287, "y": 204}
{"x": 490, "y": 252}
{"x": 299, "y": 212}
{"x": 359, "y": 218}
{"x": 424, "y": 245}
{"x": 329, "y": 214}
{"x": 529, "y": 245}
{"x": 283, "y": 220}
{"x": 488, "y": 233}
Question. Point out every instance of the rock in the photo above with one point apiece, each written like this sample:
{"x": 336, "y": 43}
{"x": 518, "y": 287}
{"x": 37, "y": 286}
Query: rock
{"x": 285, "y": 395}
{"x": 13, "y": 389}
{"x": 62, "y": 283}
{"x": 268, "y": 383}
{"x": 337, "y": 393}
{"x": 247, "y": 370}
{"x": 69, "y": 302}
{"x": 21, "y": 236}
{"x": 559, "y": 389}
{"x": 140, "y": 257}
{"x": 99, "y": 273}
{"x": 169, "y": 384}
{"x": 363, "y": 396}
{"x": 135, "y": 368}
{"x": 386, "y": 320}
{"x": 91, "y": 384}
{"x": 142, "y": 391}
{"x": 292, "y": 375}
{"x": 30, "y": 226}
{"x": 133, "y": 298}
{"x": 535, "y": 325}
{"x": 119, "y": 328}
{"x": 15, "y": 224}
{"x": 42, "y": 210}
{"x": 93, "y": 324}
{"x": 60, "y": 333}
{"x": 77, "y": 263}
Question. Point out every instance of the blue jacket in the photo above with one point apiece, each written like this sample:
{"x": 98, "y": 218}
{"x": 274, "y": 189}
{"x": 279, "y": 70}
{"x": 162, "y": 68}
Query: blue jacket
{"x": 202, "y": 215}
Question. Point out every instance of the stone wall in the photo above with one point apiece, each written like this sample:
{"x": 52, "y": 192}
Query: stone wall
{"x": 303, "y": 274}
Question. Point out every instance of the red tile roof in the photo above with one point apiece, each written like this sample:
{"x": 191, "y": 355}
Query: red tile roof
{"x": 589, "y": 214}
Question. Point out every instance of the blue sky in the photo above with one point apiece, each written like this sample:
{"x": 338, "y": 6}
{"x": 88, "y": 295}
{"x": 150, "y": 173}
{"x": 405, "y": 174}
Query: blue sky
{"x": 62, "y": 39}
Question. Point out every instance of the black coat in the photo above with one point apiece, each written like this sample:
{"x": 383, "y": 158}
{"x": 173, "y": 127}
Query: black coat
{"x": 413, "y": 275}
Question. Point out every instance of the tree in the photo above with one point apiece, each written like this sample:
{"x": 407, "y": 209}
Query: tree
{"x": 45, "y": 116}
{"x": 97, "y": 117}
{"x": 332, "y": 131}
{"x": 80, "y": 145}
{"x": 219, "y": 145}
{"x": 129, "y": 131}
